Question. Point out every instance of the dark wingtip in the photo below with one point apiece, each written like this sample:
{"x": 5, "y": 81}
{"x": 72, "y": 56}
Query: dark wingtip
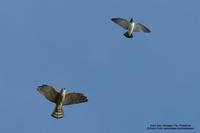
{"x": 85, "y": 99}
{"x": 148, "y": 31}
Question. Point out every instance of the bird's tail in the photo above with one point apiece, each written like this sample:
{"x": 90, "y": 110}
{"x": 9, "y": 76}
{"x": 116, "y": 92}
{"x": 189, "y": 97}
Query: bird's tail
{"x": 58, "y": 112}
{"x": 127, "y": 35}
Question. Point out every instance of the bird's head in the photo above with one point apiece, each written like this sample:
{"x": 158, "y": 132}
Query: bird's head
{"x": 131, "y": 20}
{"x": 62, "y": 91}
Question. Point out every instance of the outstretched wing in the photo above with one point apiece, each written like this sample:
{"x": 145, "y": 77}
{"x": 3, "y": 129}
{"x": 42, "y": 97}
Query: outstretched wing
{"x": 140, "y": 28}
{"x": 122, "y": 22}
{"x": 74, "y": 98}
{"x": 49, "y": 92}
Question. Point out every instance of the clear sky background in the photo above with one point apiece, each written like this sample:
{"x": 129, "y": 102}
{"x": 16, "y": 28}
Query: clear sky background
{"x": 130, "y": 83}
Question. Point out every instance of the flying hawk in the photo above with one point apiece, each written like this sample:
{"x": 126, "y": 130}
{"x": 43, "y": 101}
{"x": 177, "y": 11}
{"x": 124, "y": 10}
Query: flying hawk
{"x": 61, "y": 98}
{"x": 131, "y": 26}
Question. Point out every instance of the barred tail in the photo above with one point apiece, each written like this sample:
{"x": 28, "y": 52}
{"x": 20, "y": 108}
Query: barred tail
{"x": 58, "y": 112}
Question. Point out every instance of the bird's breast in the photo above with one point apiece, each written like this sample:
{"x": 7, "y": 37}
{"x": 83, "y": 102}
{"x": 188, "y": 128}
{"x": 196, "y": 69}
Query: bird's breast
{"x": 62, "y": 98}
{"x": 130, "y": 28}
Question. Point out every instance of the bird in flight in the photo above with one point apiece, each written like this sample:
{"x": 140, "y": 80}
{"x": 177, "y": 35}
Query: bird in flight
{"x": 60, "y": 98}
{"x": 131, "y": 26}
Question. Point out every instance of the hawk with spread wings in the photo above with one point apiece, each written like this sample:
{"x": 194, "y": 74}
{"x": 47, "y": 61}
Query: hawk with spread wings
{"x": 61, "y": 98}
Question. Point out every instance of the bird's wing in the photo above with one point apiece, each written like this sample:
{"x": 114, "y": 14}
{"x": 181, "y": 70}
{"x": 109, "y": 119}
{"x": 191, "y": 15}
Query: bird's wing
{"x": 49, "y": 92}
{"x": 122, "y": 22}
{"x": 140, "y": 28}
{"x": 74, "y": 98}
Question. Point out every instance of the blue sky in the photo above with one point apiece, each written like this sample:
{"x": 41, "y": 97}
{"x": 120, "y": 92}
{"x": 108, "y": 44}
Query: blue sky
{"x": 130, "y": 83}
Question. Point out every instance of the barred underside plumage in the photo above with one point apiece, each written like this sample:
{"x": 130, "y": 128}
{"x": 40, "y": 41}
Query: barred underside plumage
{"x": 61, "y": 98}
